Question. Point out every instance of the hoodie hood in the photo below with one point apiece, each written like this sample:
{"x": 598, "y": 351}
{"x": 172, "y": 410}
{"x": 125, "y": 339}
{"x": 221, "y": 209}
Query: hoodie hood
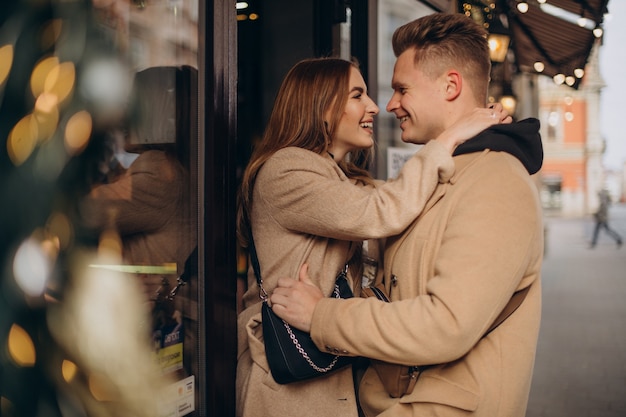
{"x": 520, "y": 139}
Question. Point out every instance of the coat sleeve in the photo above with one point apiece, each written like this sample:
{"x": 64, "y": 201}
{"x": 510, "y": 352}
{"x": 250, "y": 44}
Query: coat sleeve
{"x": 307, "y": 196}
{"x": 492, "y": 239}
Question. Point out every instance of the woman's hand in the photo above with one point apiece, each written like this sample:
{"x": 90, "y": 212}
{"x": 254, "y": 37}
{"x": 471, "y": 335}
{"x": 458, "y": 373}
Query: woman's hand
{"x": 472, "y": 124}
{"x": 294, "y": 300}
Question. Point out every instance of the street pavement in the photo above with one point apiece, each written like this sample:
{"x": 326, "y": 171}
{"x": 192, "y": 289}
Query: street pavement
{"x": 580, "y": 369}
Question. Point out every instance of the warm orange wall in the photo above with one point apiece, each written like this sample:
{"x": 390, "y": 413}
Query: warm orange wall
{"x": 572, "y": 173}
{"x": 576, "y": 130}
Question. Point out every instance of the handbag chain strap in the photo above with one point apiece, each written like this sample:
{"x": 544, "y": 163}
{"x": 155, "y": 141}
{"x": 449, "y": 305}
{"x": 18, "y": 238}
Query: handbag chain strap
{"x": 264, "y": 296}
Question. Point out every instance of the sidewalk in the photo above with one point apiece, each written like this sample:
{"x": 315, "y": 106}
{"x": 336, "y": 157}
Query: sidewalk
{"x": 580, "y": 369}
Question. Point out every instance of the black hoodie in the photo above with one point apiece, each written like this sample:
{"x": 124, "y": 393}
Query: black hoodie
{"x": 520, "y": 139}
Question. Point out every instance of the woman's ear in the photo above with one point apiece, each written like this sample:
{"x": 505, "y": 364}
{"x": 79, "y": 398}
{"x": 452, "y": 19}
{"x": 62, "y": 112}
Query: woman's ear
{"x": 453, "y": 84}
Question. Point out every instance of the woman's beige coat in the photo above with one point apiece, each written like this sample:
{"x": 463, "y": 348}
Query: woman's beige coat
{"x": 479, "y": 239}
{"x": 306, "y": 210}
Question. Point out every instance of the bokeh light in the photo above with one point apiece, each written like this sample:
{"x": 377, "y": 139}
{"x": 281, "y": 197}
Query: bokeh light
{"x": 40, "y": 74}
{"x": 77, "y": 132}
{"x": 6, "y": 61}
{"x": 60, "y": 80}
{"x": 68, "y": 370}
{"x": 106, "y": 83}
{"x": 101, "y": 388}
{"x": 20, "y": 346}
{"x": 31, "y": 267}
{"x": 46, "y": 115}
{"x": 22, "y": 140}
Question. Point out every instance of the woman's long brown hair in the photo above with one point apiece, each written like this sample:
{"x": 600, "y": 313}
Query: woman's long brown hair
{"x": 309, "y": 89}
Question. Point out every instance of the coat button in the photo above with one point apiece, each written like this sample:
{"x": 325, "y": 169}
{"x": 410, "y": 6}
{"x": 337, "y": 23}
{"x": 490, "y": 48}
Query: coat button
{"x": 394, "y": 280}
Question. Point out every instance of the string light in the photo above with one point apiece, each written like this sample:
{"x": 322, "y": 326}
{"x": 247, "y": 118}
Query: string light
{"x": 559, "y": 79}
{"x": 522, "y": 6}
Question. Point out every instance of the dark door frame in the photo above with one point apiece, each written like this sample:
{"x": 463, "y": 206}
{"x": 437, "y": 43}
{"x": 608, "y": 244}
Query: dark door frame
{"x": 217, "y": 339}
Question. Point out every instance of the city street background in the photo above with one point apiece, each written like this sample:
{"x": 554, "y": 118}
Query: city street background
{"x": 580, "y": 369}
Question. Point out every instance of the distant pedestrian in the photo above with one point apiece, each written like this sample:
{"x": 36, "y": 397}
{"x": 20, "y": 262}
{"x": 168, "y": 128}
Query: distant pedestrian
{"x": 602, "y": 220}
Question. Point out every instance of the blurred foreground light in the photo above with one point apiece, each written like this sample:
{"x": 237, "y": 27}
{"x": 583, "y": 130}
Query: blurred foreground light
{"x": 103, "y": 324}
{"x": 47, "y": 116}
{"x": 106, "y": 83}
{"x": 60, "y": 81}
{"x": 78, "y": 132}
{"x": 22, "y": 140}
{"x": 6, "y": 60}
{"x": 20, "y": 346}
{"x": 68, "y": 370}
{"x": 40, "y": 73}
{"x": 31, "y": 267}
{"x": 101, "y": 388}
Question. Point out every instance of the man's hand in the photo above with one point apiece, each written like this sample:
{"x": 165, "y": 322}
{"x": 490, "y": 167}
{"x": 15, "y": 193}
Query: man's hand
{"x": 294, "y": 300}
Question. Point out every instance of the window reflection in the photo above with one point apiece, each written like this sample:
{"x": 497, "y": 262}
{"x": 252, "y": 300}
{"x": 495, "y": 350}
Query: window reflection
{"x": 148, "y": 189}
{"x": 98, "y": 120}
{"x": 392, "y": 151}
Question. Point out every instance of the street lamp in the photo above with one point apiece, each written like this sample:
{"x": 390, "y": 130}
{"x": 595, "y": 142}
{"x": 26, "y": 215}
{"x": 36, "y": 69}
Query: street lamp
{"x": 507, "y": 99}
{"x": 498, "y": 39}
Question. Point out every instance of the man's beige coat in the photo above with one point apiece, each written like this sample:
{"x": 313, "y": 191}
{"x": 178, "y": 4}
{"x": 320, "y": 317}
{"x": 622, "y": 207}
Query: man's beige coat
{"x": 479, "y": 240}
{"x": 306, "y": 210}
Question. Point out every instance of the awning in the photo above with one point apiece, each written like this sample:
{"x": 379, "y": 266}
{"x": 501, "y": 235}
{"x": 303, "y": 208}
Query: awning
{"x": 562, "y": 46}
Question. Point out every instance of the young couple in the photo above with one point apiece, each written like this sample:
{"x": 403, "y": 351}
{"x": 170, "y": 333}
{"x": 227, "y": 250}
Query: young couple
{"x": 464, "y": 233}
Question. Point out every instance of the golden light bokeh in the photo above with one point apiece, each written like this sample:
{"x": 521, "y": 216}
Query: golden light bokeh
{"x": 68, "y": 370}
{"x": 101, "y": 388}
{"x": 6, "y": 61}
{"x": 77, "y": 132}
{"x": 60, "y": 81}
{"x": 21, "y": 347}
{"x": 22, "y": 139}
{"x": 47, "y": 116}
{"x": 40, "y": 74}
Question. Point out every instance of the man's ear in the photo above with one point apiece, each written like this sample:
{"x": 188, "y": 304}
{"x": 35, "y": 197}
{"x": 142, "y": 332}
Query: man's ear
{"x": 453, "y": 84}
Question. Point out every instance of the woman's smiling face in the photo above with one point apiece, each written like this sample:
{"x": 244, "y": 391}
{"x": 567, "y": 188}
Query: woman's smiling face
{"x": 355, "y": 129}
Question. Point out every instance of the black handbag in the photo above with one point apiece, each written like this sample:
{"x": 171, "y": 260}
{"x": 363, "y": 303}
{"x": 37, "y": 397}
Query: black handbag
{"x": 291, "y": 353}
